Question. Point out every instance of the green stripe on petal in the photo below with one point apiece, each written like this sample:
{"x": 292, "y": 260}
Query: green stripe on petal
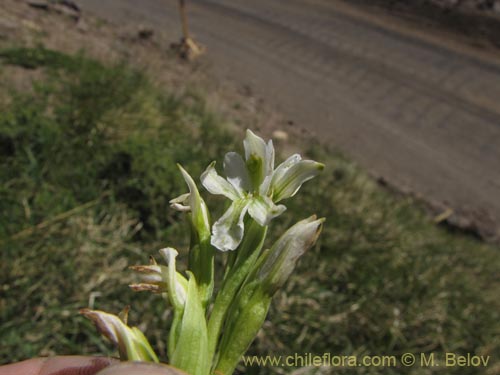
{"x": 259, "y": 158}
{"x": 263, "y": 210}
{"x": 254, "y": 145}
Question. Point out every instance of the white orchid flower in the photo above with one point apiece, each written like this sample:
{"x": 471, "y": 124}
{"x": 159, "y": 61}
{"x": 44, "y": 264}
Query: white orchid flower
{"x": 254, "y": 186}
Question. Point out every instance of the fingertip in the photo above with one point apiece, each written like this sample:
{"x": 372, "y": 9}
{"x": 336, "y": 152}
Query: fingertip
{"x": 140, "y": 368}
{"x": 28, "y": 367}
{"x": 74, "y": 365}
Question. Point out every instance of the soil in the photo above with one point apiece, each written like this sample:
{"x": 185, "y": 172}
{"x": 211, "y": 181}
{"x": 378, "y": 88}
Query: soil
{"x": 409, "y": 92}
{"x": 65, "y": 27}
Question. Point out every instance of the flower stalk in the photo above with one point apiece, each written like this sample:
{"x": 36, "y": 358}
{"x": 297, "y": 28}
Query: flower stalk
{"x": 210, "y": 331}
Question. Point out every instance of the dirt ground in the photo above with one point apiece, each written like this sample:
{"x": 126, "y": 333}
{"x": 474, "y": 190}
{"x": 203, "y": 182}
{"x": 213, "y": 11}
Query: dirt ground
{"x": 61, "y": 26}
{"x": 452, "y": 173}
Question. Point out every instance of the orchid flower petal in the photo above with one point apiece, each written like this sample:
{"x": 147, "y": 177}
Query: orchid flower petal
{"x": 263, "y": 210}
{"x": 227, "y": 232}
{"x": 269, "y": 158}
{"x": 266, "y": 185}
{"x": 284, "y": 167}
{"x": 236, "y": 172}
{"x": 259, "y": 158}
{"x": 254, "y": 145}
{"x": 181, "y": 203}
{"x": 288, "y": 179}
{"x": 199, "y": 211}
{"x": 217, "y": 185}
{"x": 151, "y": 274}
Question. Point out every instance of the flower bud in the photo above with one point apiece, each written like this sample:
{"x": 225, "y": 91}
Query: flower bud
{"x": 131, "y": 342}
{"x": 249, "y": 309}
{"x": 281, "y": 258}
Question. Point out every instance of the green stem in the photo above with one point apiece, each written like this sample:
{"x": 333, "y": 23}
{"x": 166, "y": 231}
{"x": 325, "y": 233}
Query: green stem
{"x": 201, "y": 263}
{"x": 248, "y": 253}
{"x": 242, "y": 330}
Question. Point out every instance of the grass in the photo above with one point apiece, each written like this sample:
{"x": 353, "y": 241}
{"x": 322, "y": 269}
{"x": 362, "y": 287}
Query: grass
{"x": 87, "y": 168}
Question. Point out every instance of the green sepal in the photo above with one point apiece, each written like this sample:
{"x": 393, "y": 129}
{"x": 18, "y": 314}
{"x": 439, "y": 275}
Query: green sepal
{"x": 143, "y": 348}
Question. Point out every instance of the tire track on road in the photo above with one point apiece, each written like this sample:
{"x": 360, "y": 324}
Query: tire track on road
{"x": 423, "y": 116}
{"x": 323, "y": 57}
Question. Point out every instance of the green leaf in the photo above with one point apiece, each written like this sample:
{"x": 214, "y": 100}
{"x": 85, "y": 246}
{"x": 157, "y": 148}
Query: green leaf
{"x": 191, "y": 351}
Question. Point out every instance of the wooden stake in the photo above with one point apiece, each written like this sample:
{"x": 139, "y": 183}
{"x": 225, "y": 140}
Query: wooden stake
{"x": 185, "y": 29}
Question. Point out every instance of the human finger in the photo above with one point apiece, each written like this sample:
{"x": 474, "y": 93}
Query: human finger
{"x": 60, "y": 365}
{"x": 140, "y": 368}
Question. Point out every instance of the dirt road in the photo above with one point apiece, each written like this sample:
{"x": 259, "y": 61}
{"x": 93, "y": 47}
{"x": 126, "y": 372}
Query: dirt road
{"x": 419, "y": 112}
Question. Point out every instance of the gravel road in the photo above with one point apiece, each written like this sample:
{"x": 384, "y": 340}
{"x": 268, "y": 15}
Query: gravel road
{"x": 422, "y": 114}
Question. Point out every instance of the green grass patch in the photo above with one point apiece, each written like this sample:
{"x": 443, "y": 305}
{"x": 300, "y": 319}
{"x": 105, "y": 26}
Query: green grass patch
{"x": 384, "y": 280}
{"x": 87, "y": 169}
{"x": 31, "y": 58}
